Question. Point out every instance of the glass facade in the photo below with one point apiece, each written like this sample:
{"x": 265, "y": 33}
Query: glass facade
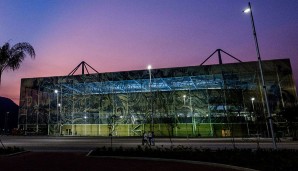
{"x": 196, "y": 101}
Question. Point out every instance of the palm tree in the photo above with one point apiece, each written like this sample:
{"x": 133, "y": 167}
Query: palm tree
{"x": 12, "y": 57}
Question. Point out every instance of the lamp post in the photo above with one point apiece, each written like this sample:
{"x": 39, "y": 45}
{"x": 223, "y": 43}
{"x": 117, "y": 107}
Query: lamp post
{"x": 49, "y": 116}
{"x": 249, "y": 10}
{"x": 57, "y": 107}
{"x": 253, "y": 107}
{"x": 59, "y": 123}
{"x": 184, "y": 99}
{"x": 252, "y": 104}
{"x": 149, "y": 67}
{"x": 6, "y": 124}
{"x": 85, "y": 118}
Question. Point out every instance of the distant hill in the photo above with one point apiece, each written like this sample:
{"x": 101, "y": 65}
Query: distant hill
{"x": 8, "y": 114}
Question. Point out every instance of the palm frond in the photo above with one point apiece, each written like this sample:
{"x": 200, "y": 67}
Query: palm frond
{"x": 4, "y": 54}
{"x": 12, "y": 57}
{"x": 25, "y": 47}
{"x": 16, "y": 59}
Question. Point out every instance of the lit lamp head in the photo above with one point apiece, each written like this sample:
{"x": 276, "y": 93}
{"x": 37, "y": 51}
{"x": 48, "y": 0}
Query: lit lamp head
{"x": 149, "y": 67}
{"x": 252, "y": 99}
{"x": 247, "y": 10}
{"x": 56, "y": 91}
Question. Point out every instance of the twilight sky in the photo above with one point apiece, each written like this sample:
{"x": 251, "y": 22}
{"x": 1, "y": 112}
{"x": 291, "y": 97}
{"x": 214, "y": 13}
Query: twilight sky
{"x": 122, "y": 35}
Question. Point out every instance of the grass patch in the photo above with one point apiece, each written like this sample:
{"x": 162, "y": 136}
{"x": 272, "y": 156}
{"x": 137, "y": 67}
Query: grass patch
{"x": 260, "y": 159}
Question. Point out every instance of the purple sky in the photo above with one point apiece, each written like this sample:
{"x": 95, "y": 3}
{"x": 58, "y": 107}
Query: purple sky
{"x": 122, "y": 35}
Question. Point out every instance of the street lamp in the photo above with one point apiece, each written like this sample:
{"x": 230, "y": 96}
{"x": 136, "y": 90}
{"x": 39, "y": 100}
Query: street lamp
{"x": 59, "y": 123}
{"x": 49, "y": 116}
{"x": 149, "y": 67}
{"x": 57, "y": 107}
{"x": 252, "y": 103}
{"x": 253, "y": 107}
{"x": 184, "y": 99}
{"x": 249, "y": 10}
{"x": 85, "y": 118}
{"x": 6, "y": 123}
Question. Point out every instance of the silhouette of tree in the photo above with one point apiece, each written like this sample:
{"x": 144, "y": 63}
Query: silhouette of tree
{"x": 11, "y": 57}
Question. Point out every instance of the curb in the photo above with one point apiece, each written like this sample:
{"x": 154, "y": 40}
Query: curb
{"x": 14, "y": 154}
{"x": 179, "y": 161}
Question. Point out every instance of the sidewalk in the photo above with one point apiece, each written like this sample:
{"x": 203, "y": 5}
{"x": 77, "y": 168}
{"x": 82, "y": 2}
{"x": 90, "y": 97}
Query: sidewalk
{"x": 79, "y": 161}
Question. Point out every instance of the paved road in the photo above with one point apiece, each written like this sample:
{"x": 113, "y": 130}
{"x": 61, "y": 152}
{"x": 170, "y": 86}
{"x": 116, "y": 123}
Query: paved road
{"x": 69, "y": 153}
{"x": 85, "y": 144}
{"x": 57, "y": 161}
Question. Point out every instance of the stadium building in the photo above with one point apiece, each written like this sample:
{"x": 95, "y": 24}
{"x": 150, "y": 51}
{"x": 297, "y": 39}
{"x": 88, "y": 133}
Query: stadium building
{"x": 195, "y": 101}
